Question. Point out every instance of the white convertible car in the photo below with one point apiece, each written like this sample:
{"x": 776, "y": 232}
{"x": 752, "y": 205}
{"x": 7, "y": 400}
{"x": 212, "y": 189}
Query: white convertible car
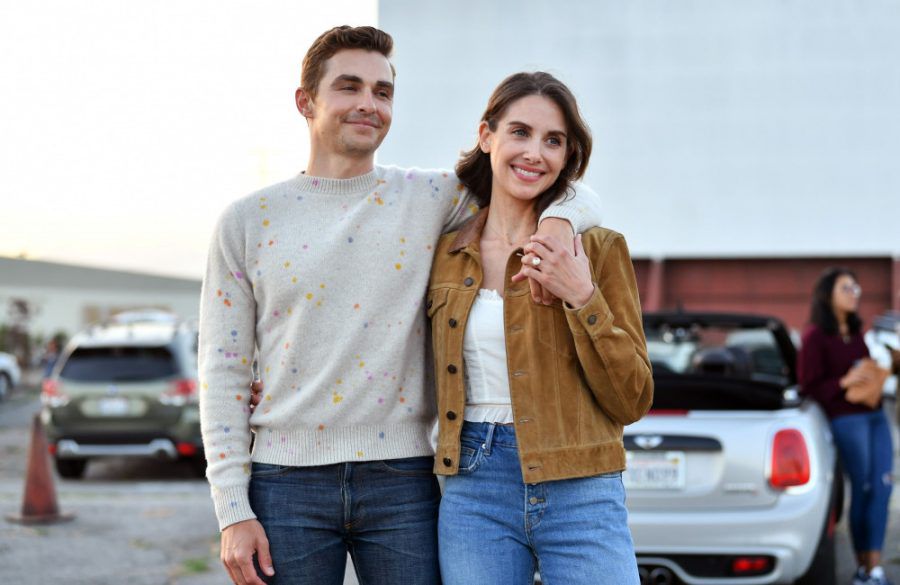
{"x": 732, "y": 477}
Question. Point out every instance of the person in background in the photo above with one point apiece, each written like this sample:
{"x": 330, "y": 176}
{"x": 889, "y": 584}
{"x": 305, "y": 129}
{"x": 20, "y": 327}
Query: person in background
{"x": 50, "y": 357}
{"x": 532, "y": 399}
{"x": 834, "y": 361}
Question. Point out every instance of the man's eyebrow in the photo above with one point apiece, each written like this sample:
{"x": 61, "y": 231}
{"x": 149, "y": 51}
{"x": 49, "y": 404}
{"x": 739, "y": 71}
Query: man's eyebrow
{"x": 347, "y": 78}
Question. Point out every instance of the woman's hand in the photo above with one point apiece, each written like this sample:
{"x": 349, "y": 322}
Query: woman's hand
{"x": 856, "y": 375}
{"x": 566, "y": 275}
{"x": 552, "y": 227}
{"x": 256, "y": 389}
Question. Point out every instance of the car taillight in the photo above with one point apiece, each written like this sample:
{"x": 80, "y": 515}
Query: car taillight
{"x": 750, "y": 566}
{"x": 181, "y": 392}
{"x": 52, "y": 394}
{"x": 186, "y": 449}
{"x": 790, "y": 459}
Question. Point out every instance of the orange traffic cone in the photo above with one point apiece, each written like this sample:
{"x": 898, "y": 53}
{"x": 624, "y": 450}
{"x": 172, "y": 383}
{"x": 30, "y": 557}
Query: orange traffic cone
{"x": 39, "y": 502}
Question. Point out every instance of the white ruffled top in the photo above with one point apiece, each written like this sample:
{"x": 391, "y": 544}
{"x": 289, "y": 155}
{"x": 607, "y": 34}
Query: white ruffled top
{"x": 484, "y": 352}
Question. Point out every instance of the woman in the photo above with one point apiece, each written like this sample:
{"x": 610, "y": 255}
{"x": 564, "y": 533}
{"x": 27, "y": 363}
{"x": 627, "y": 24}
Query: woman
{"x": 532, "y": 398}
{"x": 832, "y": 367}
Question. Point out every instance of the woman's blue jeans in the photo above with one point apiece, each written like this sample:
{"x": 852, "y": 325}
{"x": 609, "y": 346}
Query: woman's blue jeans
{"x": 864, "y": 442}
{"x": 495, "y": 529}
{"x": 384, "y": 513}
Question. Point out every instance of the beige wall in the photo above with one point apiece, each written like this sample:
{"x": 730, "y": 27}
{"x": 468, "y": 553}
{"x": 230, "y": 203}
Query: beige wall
{"x": 69, "y": 310}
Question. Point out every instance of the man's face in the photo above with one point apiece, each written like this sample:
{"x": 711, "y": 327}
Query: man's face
{"x": 352, "y": 110}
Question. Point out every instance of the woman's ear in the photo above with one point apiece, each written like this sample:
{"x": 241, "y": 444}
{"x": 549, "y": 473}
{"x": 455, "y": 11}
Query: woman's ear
{"x": 484, "y": 137}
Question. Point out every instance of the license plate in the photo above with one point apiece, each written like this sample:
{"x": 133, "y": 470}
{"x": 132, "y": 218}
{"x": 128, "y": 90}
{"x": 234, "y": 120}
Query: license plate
{"x": 654, "y": 470}
{"x": 112, "y": 406}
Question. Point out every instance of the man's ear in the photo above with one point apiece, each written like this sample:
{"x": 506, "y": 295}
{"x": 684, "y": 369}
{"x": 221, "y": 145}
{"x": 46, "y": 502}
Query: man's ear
{"x": 304, "y": 102}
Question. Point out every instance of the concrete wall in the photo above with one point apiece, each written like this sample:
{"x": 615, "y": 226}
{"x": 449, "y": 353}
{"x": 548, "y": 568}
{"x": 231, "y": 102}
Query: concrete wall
{"x": 722, "y": 129}
{"x": 70, "y": 310}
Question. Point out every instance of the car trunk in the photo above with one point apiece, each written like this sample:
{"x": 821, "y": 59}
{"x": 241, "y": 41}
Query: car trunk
{"x": 721, "y": 384}
{"x": 699, "y": 459}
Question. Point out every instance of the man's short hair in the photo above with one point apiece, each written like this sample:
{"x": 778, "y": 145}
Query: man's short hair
{"x": 339, "y": 38}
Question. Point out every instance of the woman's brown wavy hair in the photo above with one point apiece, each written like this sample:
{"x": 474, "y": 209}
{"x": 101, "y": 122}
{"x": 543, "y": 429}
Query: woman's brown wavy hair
{"x": 474, "y": 166}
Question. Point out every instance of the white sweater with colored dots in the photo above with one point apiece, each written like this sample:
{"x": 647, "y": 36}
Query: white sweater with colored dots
{"x": 325, "y": 280}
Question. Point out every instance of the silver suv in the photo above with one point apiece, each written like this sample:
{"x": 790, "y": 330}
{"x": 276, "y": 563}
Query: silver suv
{"x": 126, "y": 388}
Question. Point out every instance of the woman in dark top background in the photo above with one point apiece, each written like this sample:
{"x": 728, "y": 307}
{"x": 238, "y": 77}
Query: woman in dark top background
{"x": 832, "y": 347}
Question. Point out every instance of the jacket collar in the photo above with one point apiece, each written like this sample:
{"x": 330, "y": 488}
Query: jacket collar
{"x": 470, "y": 232}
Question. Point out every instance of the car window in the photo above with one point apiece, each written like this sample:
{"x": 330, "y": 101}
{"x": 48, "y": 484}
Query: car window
{"x": 716, "y": 351}
{"x": 119, "y": 364}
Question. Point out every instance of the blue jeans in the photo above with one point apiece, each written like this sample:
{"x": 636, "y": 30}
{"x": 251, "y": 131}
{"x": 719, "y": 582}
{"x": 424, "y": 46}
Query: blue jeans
{"x": 495, "y": 529}
{"x": 384, "y": 513}
{"x": 864, "y": 442}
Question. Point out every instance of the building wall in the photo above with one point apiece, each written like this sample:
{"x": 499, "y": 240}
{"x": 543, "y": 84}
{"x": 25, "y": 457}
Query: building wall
{"x": 722, "y": 129}
{"x": 743, "y": 146}
{"x": 69, "y": 310}
{"x": 774, "y": 286}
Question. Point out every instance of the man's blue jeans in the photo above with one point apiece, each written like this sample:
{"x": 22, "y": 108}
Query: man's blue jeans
{"x": 864, "y": 442}
{"x": 495, "y": 529}
{"x": 383, "y": 512}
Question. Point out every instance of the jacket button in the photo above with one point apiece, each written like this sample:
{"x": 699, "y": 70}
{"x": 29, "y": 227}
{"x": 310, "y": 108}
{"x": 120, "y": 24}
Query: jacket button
{"x": 429, "y": 303}
{"x": 592, "y": 319}
{"x": 451, "y": 415}
{"x": 448, "y": 462}
{"x": 451, "y": 368}
{"x": 468, "y": 281}
{"x": 452, "y": 322}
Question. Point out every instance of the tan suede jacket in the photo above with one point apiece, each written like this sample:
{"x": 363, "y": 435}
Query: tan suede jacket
{"x": 576, "y": 376}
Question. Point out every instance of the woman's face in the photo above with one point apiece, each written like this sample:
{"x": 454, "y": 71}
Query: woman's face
{"x": 845, "y": 294}
{"x": 528, "y": 150}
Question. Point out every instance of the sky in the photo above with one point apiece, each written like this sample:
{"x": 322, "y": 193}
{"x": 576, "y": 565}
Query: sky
{"x": 126, "y": 128}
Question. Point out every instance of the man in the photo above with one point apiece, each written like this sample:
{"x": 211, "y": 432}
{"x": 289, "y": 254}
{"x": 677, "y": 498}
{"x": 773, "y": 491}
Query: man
{"x": 323, "y": 276}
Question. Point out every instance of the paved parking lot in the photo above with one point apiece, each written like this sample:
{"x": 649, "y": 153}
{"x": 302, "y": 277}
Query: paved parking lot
{"x": 137, "y": 522}
{"x": 151, "y": 523}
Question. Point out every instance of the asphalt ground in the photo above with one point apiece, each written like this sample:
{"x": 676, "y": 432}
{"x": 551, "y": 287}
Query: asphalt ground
{"x": 141, "y": 522}
{"x": 147, "y": 522}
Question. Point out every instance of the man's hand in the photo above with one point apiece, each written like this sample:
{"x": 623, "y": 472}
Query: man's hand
{"x": 239, "y": 542}
{"x": 552, "y": 227}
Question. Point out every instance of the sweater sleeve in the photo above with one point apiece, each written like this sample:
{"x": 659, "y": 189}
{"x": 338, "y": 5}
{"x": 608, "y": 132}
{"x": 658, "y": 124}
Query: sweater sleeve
{"x": 226, "y": 346}
{"x": 582, "y": 209}
{"x": 811, "y": 373}
{"x": 609, "y": 336}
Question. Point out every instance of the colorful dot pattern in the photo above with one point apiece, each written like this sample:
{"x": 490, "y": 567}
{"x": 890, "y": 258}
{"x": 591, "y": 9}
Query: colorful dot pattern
{"x": 327, "y": 278}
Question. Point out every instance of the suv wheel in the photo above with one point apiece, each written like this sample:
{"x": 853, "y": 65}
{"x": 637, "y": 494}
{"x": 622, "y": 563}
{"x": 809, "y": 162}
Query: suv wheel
{"x": 71, "y": 468}
{"x": 198, "y": 465}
